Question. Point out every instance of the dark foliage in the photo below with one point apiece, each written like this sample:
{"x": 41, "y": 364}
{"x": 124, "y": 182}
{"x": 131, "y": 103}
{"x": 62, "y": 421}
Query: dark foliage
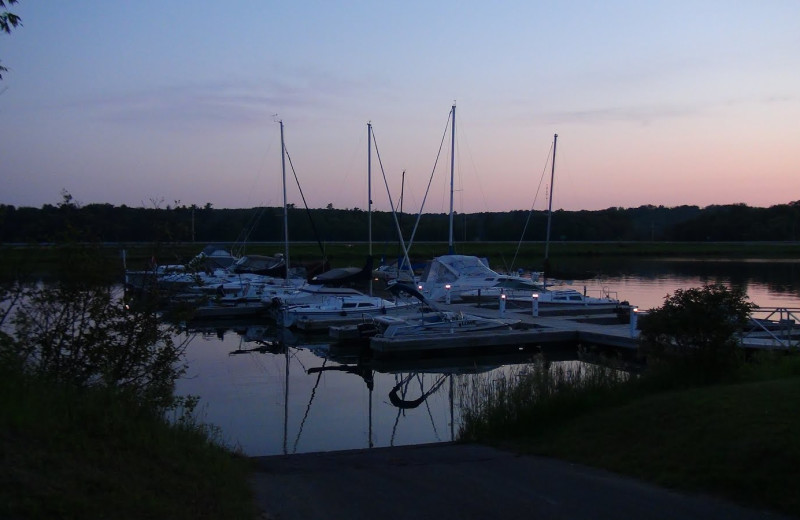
{"x": 696, "y": 330}
{"x": 78, "y": 332}
{"x": 107, "y": 223}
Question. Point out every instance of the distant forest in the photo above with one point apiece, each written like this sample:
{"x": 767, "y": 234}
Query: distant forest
{"x": 106, "y": 223}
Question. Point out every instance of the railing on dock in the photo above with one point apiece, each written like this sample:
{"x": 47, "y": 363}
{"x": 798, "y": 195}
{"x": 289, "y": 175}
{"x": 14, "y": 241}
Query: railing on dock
{"x": 774, "y": 327}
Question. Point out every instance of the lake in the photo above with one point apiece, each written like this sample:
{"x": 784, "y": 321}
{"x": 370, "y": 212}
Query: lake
{"x": 272, "y": 392}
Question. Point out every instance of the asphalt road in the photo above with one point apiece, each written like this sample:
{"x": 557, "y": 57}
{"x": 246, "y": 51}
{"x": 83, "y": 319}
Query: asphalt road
{"x": 465, "y": 481}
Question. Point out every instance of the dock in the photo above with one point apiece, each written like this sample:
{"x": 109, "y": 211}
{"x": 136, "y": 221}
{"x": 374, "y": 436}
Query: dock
{"x": 613, "y": 327}
{"x": 568, "y": 324}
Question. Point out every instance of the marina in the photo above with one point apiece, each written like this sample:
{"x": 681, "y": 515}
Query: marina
{"x": 272, "y": 390}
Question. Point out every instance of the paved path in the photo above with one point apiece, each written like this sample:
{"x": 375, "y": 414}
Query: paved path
{"x": 464, "y": 481}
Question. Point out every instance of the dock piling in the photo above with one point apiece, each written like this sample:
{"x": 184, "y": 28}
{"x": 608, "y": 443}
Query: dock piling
{"x": 634, "y": 320}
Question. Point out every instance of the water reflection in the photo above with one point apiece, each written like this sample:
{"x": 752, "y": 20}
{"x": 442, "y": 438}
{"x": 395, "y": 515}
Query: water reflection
{"x": 313, "y": 395}
{"x": 778, "y": 276}
{"x": 273, "y": 391}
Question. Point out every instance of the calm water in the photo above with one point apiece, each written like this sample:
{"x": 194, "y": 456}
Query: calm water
{"x": 300, "y": 394}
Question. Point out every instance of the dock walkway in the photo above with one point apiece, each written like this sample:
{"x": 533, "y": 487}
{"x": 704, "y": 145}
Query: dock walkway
{"x": 602, "y": 326}
{"x": 572, "y": 324}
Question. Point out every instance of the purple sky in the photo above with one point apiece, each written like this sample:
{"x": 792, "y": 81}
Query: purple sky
{"x": 149, "y": 103}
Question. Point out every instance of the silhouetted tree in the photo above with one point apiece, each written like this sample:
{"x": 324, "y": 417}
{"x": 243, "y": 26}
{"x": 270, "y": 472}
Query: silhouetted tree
{"x": 8, "y": 21}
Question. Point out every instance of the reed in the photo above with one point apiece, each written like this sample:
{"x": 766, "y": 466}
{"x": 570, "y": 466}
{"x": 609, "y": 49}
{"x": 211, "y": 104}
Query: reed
{"x": 525, "y": 398}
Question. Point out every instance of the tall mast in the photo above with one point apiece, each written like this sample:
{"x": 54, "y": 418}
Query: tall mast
{"x": 450, "y": 248}
{"x": 369, "y": 194}
{"x": 402, "y": 187}
{"x": 550, "y": 205}
{"x": 285, "y": 208}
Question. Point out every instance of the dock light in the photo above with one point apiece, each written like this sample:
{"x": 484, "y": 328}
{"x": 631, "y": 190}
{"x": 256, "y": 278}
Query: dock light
{"x": 634, "y": 320}
{"x": 535, "y": 304}
{"x": 502, "y": 303}
{"x": 447, "y": 294}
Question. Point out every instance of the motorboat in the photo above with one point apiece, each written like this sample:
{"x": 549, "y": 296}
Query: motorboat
{"x": 339, "y": 307}
{"x": 548, "y": 296}
{"x": 453, "y": 276}
{"x": 437, "y": 323}
{"x": 212, "y": 258}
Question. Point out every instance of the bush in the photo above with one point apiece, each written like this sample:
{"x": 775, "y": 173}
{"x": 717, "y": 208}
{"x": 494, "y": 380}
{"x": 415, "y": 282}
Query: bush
{"x": 82, "y": 335}
{"x": 697, "y": 330}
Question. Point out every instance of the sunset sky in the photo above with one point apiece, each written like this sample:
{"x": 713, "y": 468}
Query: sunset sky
{"x": 152, "y": 102}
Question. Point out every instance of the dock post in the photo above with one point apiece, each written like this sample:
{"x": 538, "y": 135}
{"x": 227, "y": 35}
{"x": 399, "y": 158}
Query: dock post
{"x": 447, "y": 294}
{"x": 634, "y": 320}
{"x": 502, "y": 307}
{"x": 535, "y": 300}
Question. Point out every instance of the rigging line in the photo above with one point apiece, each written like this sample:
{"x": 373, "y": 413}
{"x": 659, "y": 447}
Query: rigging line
{"x": 527, "y": 221}
{"x": 430, "y": 180}
{"x": 308, "y": 407}
{"x": 403, "y": 385}
{"x": 299, "y": 361}
{"x": 244, "y": 234}
{"x": 433, "y": 389}
{"x": 394, "y": 213}
{"x": 308, "y": 211}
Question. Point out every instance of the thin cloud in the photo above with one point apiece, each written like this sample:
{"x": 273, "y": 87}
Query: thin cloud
{"x": 222, "y": 103}
{"x": 643, "y": 115}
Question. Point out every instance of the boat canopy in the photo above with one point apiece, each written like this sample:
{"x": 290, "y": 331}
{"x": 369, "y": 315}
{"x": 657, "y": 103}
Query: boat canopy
{"x": 449, "y": 268}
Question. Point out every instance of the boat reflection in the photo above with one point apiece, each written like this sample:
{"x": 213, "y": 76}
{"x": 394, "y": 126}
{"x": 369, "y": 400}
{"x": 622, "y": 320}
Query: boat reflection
{"x": 406, "y": 399}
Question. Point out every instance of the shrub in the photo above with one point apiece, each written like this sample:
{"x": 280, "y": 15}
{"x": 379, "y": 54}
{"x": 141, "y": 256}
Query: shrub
{"x": 697, "y": 330}
{"x": 83, "y": 335}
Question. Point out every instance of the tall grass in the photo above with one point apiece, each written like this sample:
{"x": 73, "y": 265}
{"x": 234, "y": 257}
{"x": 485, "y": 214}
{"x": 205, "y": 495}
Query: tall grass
{"x": 94, "y": 453}
{"x": 524, "y": 398}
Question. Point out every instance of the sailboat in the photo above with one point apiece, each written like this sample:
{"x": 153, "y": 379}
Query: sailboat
{"x": 546, "y": 296}
{"x": 249, "y": 293}
{"x": 323, "y": 302}
{"x": 450, "y": 276}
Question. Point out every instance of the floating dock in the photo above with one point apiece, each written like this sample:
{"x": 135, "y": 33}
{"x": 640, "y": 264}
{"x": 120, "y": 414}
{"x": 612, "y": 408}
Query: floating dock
{"x": 568, "y": 324}
{"x": 614, "y": 327}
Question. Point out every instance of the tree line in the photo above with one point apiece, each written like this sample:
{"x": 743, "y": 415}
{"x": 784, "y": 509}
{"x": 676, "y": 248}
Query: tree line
{"x": 68, "y": 221}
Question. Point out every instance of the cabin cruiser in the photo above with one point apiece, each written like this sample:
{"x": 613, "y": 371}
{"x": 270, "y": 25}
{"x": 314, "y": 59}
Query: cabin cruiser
{"x": 320, "y": 302}
{"x": 452, "y": 276}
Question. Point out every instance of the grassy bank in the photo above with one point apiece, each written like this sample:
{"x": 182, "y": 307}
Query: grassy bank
{"x": 89, "y": 454}
{"x": 37, "y": 260}
{"x": 737, "y": 441}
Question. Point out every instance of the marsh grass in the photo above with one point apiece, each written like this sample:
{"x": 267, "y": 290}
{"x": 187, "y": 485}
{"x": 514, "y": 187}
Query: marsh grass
{"x": 524, "y": 398}
{"x": 93, "y": 453}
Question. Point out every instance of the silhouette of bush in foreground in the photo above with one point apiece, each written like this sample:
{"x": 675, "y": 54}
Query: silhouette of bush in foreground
{"x": 697, "y": 331}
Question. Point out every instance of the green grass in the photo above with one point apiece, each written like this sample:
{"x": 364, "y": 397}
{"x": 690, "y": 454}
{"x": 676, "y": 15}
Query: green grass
{"x": 89, "y": 454}
{"x": 38, "y": 260}
{"x": 737, "y": 441}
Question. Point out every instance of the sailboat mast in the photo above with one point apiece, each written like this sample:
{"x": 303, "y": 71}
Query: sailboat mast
{"x": 550, "y": 204}
{"x": 402, "y": 188}
{"x": 450, "y": 248}
{"x": 285, "y": 207}
{"x": 369, "y": 194}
